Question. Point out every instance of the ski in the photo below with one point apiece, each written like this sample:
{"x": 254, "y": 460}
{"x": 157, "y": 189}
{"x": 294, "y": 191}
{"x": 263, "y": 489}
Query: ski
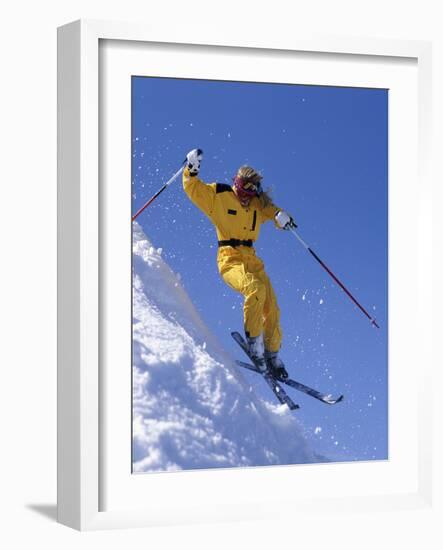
{"x": 278, "y": 391}
{"x": 323, "y": 397}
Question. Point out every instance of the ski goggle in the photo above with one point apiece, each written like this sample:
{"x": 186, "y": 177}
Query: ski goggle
{"x": 249, "y": 186}
{"x": 245, "y": 185}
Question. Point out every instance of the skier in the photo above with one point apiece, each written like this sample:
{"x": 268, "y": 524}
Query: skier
{"x": 237, "y": 213}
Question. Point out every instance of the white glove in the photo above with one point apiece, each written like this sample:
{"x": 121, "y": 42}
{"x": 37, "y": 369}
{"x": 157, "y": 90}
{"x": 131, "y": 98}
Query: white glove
{"x": 284, "y": 220}
{"x": 194, "y": 158}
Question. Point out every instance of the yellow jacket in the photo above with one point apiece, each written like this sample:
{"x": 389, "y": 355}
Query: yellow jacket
{"x": 220, "y": 204}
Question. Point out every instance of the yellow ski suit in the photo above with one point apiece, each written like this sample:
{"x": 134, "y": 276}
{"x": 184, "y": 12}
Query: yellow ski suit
{"x": 238, "y": 265}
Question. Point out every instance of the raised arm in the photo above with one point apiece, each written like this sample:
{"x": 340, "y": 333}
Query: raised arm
{"x": 200, "y": 193}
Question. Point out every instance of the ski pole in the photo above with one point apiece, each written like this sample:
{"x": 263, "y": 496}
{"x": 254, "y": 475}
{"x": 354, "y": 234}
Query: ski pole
{"x": 336, "y": 279}
{"x": 152, "y": 199}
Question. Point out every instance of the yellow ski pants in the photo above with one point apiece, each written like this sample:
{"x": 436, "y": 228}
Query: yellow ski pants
{"x": 243, "y": 271}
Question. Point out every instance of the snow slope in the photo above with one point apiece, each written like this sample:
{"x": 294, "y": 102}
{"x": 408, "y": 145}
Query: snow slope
{"x": 192, "y": 408}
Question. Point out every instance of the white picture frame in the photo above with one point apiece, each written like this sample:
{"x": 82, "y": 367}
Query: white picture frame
{"x": 80, "y": 259}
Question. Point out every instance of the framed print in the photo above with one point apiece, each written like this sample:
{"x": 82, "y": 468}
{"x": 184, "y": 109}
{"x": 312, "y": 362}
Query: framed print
{"x": 173, "y": 156}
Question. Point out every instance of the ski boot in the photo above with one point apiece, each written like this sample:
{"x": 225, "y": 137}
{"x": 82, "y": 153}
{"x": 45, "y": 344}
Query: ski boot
{"x": 275, "y": 365}
{"x": 256, "y": 351}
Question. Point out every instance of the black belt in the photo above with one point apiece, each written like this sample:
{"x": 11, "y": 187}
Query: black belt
{"x": 235, "y": 242}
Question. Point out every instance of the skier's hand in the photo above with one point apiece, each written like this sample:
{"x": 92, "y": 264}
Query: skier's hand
{"x": 194, "y": 159}
{"x": 284, "y": 220}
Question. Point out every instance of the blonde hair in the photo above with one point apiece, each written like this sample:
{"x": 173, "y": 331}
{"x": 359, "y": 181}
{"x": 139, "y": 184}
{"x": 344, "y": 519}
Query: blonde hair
{"x": 248, "y": 173}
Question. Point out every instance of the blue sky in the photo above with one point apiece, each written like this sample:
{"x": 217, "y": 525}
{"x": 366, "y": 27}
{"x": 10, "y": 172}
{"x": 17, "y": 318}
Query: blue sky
{"x": 323, "y": 152}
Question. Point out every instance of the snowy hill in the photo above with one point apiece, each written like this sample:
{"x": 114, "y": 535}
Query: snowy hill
{"x": 192, "y": 408}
